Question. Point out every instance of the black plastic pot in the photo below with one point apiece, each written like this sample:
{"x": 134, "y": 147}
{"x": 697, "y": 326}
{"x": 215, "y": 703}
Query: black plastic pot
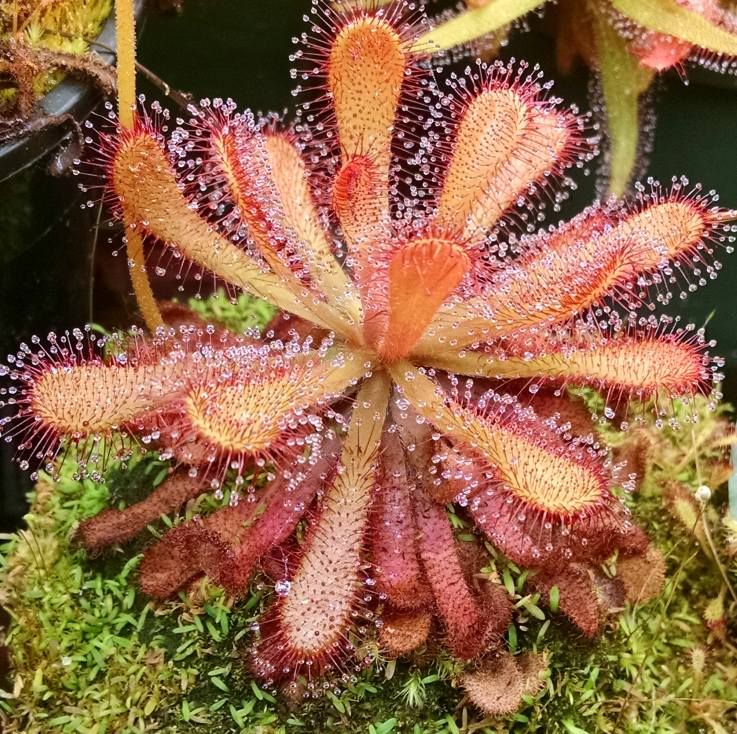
{"x": 72, "y": 96}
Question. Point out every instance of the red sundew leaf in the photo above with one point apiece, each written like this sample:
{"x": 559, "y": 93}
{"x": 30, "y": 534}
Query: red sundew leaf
{"x": 534, "y": 538}
{"x": 545, "y": 503}
{"x": 113, "y": 526}
{"x": 578, "y": 598}
{"x": 397, "y": 570}
{"x": 403, "y": 632}
{"x": 659, "y": 52}
{"x": 498, "y": 687}
{"x": 361, "y": 209}
{"x": 227, "y": 544}
{"x": 568, "y": 412}
{"x": 285, "y": 328}
{"x": 633, "y": 459}
{"x": 462, "y": 476}
{"x": 470, "y": 624}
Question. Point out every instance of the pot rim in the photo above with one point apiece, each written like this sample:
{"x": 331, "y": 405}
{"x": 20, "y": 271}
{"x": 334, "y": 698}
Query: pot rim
{"x": 71, "y": 96}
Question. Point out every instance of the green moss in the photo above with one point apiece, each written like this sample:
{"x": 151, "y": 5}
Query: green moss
{"x": 79, "y": 661}
{"x": 63, "y": 25}
{"x": 237, "y": 314}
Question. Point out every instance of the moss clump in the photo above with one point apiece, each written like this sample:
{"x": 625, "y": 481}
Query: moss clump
{"x": 91, "y": 654}
{"x": 33, "y": 27}
{"x": 80, "y": 661}
{"x": 237, "y": 314}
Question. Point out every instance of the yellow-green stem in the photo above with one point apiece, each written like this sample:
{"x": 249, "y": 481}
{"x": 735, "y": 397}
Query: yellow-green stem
{"x": 125, "y": 30}
{"x": 139, "y": 278}
{"x": 125, "y": 38}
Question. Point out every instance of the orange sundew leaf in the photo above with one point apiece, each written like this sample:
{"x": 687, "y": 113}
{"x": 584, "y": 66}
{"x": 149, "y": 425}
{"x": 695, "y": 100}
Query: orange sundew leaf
{"x": 245, "y": 409}
{"x": 505, "y": 143}
{"x": 490, "y": 131}
{"x": 97, "y": 398}
{"x": 422, "y": 274}
{"x": 543, "y": 502}
{"x": 552, "y": 284}
{"x": 665, "y": 230}
{"x": 553, "y": 481}
{"x": 311, "y": 621}
{"x": 81, "y": 400}
{"x": 242, "y": 156}
{"x": 147, "y": 189}
{"x": 641, "y": 366}
{"x": 267, "y": 180}
{"x": 363, "y": 211}
{"x": 364, "y": 76}
{"x": 360, "y": 207}
{"x": 66, "y": 389}
{"x": 300, "y": 216}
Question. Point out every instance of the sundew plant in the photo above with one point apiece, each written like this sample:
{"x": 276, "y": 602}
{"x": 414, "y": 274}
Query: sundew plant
{"x": 433, "y": 348}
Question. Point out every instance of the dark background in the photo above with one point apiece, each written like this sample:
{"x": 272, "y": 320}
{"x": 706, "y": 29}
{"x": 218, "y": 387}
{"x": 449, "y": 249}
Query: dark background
{"x": 239, "y": 49}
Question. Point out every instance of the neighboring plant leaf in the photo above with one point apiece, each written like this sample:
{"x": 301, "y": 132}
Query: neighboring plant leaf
{"x": 472, "y": 24}
{"x": 622, "y": 82}
{"x": 671, "y": 18}
{"x": 682, "y": 505}
{"x": 643, "y": 575}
